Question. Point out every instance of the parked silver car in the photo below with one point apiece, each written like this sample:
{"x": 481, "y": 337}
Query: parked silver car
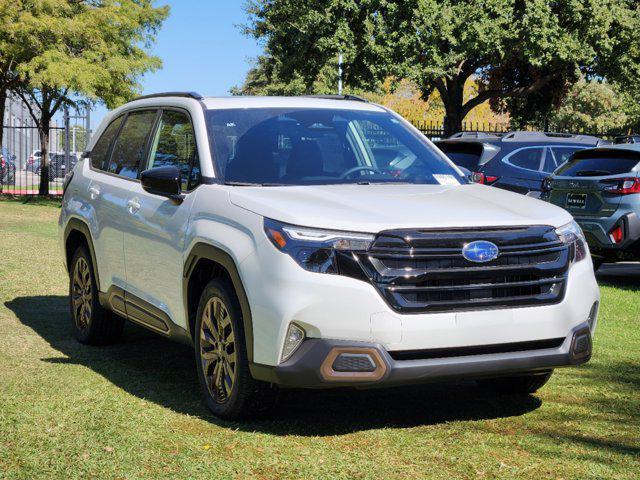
{"x": 601, "y": 189}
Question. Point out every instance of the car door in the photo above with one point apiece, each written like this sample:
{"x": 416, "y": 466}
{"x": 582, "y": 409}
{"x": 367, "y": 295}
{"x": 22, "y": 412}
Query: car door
{"x": 155, "y": 239}
{"x": 105, "y": 196}
{"x": 525, "y": 169}
{"x": 115, "y": 174}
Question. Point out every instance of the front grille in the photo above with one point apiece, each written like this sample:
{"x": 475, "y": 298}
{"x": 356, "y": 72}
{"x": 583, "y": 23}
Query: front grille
{"x": 424, "y": 270}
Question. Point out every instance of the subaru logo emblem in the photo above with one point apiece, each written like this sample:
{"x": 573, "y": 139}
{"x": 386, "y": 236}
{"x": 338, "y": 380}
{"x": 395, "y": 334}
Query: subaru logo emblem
{"x": 480, "y": 251}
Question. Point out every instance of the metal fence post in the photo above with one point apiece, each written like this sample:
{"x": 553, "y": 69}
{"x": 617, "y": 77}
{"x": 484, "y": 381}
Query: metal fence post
{"x": 67, "y": 128}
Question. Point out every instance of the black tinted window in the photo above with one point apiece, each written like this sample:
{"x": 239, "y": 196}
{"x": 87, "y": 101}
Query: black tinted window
{"x": 463, "y": 154}
{"x": 101, "y": 149}
{"x": 322, "y": 146}
{"x": 528, "y": 158}
{"x": 599, "y": 163}
{"x": 128, "y": 151}
{"x": 174, "y": 144}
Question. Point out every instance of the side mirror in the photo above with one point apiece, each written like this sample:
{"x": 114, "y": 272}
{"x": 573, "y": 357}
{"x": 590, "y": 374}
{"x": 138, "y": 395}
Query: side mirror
{"x": 164, "y": 181}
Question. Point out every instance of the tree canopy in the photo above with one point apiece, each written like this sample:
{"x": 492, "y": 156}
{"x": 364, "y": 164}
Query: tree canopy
{"x": 514, "y": 48}
{"x": 59, "y": 51}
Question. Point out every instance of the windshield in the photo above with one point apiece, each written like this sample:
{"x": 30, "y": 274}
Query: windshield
{"x": 320, "y": 147}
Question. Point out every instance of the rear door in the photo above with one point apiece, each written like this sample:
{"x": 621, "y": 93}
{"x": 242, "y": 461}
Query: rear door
{"x": 578, "y": 185}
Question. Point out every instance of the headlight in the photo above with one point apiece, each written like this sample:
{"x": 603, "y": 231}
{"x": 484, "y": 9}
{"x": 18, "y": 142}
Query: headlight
{"x": 313, "y": 249}
{"x": 571, "y": 234}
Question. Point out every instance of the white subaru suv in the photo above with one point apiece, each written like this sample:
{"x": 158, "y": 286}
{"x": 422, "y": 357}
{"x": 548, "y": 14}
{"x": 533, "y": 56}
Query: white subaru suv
{"x": 316, "y": 242}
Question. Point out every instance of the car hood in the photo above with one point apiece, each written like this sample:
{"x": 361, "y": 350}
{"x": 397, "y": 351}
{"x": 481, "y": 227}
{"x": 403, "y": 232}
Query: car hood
{"x": 373, "y": 208}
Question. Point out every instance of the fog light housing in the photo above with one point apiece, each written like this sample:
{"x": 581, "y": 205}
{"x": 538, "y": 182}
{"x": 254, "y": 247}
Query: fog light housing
{"x": 581, "y": 346}
{"x": 354, "y": 362}
{"x": 292, "y": 340}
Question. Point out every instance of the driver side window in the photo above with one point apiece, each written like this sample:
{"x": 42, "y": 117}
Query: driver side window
{"x": 174, "y": 144}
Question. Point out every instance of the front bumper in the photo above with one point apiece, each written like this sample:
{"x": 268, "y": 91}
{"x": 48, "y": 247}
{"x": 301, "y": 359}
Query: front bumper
{"x": 312, "y": 365}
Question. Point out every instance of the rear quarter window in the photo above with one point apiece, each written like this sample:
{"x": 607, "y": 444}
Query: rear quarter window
{"x": 528, "y": 158}
{"x": 99, "y": 153}
{"x": 599, "y": 163}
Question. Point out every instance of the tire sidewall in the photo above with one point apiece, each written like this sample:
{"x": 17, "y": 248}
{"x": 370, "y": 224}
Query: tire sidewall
{"x": 225, "y": 292}
{"x": 83, "y": 335}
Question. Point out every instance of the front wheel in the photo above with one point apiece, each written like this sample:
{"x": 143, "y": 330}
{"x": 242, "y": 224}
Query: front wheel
{"x": 229, "y": 390}
{"x": 517, "y": 384}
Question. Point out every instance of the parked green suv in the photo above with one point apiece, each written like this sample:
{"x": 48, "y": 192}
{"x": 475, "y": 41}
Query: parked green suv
{"x": 601, "y": 189}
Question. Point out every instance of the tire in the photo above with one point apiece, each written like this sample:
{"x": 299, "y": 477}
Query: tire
{"x": 517, "y": 384}
{"x": 229, "y": 390}
{"x": 93, "y": 324}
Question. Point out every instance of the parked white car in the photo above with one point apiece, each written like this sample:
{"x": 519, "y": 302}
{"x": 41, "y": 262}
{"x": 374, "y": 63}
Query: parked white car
{"x": 316, "y": 242}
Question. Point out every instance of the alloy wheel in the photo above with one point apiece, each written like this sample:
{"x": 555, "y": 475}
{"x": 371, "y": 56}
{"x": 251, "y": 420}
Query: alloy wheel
{"x": 81, "y": 294}
{"x": 218, "y": 350}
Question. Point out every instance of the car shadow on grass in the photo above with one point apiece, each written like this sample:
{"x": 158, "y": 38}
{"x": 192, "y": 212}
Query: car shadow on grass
{"x": 160, "y": 371}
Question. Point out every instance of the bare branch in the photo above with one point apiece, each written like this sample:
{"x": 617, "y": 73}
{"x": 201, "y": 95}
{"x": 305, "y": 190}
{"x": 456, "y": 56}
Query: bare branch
{"x": 514, "y": 92}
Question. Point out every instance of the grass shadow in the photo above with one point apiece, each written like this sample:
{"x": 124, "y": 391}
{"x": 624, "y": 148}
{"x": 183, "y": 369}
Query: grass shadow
{"x": 158, "y": 370}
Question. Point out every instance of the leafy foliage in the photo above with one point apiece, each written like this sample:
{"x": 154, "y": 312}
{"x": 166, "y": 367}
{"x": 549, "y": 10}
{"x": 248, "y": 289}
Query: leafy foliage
{"x": 60, "y": 50}
{"x": 514, "y": 48}
{"x": 591, "y": 106}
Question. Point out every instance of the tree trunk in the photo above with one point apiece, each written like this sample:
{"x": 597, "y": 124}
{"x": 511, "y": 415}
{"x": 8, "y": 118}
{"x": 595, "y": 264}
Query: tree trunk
{"x": 453, "y": 99}
{"x": 453, "y": 120}
{"x": 3, "y": 102}
{"x": 44, "y": 131}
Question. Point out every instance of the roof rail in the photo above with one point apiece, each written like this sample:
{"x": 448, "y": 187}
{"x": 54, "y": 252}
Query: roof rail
{"x": 339, "y": 97}
{"x": 193, "y": 95}
{"x": 476, "y": 135}
{"x": 529, "y": 134}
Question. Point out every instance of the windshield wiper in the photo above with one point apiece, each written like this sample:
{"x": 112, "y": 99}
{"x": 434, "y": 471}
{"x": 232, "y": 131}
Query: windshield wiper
{"x": 252, "y": 184}
{"x": 592, "y": 173}
{"x": 243, "y": 184}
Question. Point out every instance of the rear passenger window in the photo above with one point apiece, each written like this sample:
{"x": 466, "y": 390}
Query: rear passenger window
{"x": 101, "y": 148}
{"x": 528, "y": 158}
{"x": 174, "y": 144}
{"x": 130, "y": 146}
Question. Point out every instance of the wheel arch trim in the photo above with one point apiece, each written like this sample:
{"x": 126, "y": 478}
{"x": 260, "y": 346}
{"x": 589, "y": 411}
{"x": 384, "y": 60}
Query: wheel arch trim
{"x": 77, "y": 225}
{"x": 209, "y": 252}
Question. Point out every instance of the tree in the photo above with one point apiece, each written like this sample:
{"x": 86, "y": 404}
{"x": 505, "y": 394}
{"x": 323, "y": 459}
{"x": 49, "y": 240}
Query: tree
{"x": 11, "y": 54}
{"x": 513, "y": 48}
{"x": 591, "y": 106}
{"x": 93, "y": 50}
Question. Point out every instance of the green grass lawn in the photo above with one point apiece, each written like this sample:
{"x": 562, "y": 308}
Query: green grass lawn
{"x": 133, "y": 410}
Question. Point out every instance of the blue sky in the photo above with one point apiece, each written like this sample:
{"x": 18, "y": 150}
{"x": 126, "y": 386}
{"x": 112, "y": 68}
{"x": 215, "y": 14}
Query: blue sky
{"x": 202, "y": 49}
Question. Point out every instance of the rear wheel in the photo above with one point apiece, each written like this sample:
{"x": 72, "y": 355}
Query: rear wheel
{"x": 93, "y": 324}
{"x": 517, "y": 384}
{"x": 229, "y": 390}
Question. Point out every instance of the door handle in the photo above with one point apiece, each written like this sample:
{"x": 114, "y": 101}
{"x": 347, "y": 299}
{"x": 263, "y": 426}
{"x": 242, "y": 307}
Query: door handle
{"x": 134, "y": 205}
{"x": 94, "y": 192}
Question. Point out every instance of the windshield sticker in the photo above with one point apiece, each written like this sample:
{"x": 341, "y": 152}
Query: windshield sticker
{"x": 446, "y": 179}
